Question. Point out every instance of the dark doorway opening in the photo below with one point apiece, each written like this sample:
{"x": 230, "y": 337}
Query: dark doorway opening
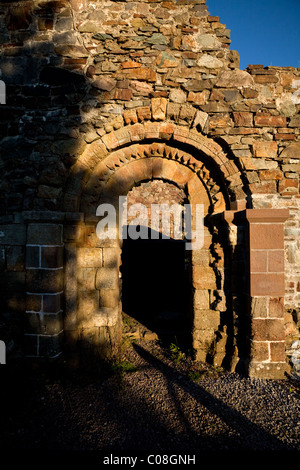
{"x": 156, "y": 287}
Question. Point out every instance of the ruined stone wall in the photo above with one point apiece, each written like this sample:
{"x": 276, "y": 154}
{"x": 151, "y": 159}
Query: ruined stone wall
{"x": 79, "y": 72}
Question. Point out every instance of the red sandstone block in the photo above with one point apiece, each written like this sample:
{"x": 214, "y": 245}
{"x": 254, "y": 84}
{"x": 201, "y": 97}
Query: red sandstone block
{"x": 141, "y": 170}
{"x": 125, "y": 175}
{"x": 260, "y": 351}
{"x": 288, "y": 183}
{"x": 123, "y": 94}
{"x": 136, "y": 132}
{"x": 270, "y": 121}
{"x": 144, "y": 113}
{"x": 265, "y": 149}
{"x": 276, "y": 307}
{"x": 151, "y": 130}
{"x": 255, "y": 66}
{"x": 130, "y": 64}
{"x": 266, "y": 236}
{"x": 268, "y": 329}
{"x": 266, "y": 187}
{"x": 276, "y": 261}
{"x": 110, "y": 141}
{"x": 258, "y": 261}
{"x": 166, "y": 130}
{"x": 213, "y": 19}
{"x": 142, "y": 73}
{"x": 267, "y": 284}
{"x": 277, "y": 351}
{"x": 271, "y": 175}
{"x": 265, "y": 79}
{"x": 243, "y": 119}
{"x": 280, "y": 136}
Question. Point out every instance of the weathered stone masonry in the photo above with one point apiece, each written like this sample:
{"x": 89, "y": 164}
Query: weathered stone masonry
{"x": 104, "y": 96}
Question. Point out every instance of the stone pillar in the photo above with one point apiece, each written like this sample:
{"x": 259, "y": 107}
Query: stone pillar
{"x": 44, "y": 288}
{"x": 266, "y": 292}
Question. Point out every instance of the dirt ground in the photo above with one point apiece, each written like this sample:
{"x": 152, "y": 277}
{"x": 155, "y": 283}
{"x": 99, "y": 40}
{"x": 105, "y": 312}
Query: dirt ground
{"x": 151, "y": 399}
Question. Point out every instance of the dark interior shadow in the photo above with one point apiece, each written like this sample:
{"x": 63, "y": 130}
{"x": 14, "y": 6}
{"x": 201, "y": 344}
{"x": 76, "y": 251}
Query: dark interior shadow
{"x": 155, "y": 285}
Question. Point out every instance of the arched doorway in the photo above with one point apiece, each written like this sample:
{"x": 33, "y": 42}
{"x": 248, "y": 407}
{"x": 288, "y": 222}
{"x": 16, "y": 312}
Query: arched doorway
{"x": 196, "y": 174}
{"x": 155, "y": 268}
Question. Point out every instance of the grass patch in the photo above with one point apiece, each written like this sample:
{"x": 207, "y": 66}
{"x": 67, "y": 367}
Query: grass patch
{"x": 123, "y": 366}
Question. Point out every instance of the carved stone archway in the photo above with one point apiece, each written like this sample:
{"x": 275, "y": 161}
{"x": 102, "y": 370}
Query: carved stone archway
{"x": 99, "y": 309}
{"x": 230, "y": 323}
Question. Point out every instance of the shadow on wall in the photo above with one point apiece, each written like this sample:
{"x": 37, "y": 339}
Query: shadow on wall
{"x": 41, "y": 119}
{"x": 40, "y": 128}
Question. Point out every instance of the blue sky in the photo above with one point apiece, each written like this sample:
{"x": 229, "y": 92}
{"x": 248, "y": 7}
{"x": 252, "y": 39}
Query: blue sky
{"x": 262, "y": 31}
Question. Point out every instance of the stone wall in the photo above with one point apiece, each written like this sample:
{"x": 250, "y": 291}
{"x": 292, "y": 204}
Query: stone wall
{"x": 87, "y": 79}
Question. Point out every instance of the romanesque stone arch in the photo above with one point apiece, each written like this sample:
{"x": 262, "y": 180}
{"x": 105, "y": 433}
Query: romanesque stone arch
{"x": 104, "y": 150}
{"x": 108, "y": 169}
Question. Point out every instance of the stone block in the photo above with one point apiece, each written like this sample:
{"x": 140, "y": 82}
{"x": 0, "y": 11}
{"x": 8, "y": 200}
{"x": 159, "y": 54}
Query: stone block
{"x": 275, "y": 174}
{"x": 45, "y": 324}
{"x": 267, "y": 284}
{"x": 15, "y": 257}
{"x": 268, "y": 329}
{"x": 276, "y": 307}
{"x": 266, "y": 236}
{"x": 34, "y": 302}
{"x": 44, "y": 281}
{"x": 268, "y": 370}
{"x": 107, "y": 278}
{"x": 159, "y": 108}
{"x": 105, "y": 317}
{"x": 201, "y": 299}
{"x": 259, "y": 307}
{"x": 104, "y": 83}
{"x": 89, "y": 257}
{"x": 52, "y": 256}
{"x": 243, "y": 119}
{"x": 44, "y": 234}
{"x": 276, "y": 261}
{"x": 258, "y": 261}
{"x": 52, "y": 303}
{"x": 178, "y": 96}
{"x": 204, "y": 338}
{"x": 235, "y": 78}
{"x": 265, "y": 79}
{"x": 173, "y": 110}
{"x": 123, "y": 94}
{"x": 277, "y": 351}
{"x": 270, "y": 121}
{"x": 13, "y": 234}
{"x": 200, "y": 257}
{"x": 260, "y": 351}
{"x": 109, "y": 298}
{"x": 204, "y": 277}
{"x": 111, "y": 257}
{"x": 33, "y": 256}
{"x": 88, "y": 301}
{"x": 206, "y": 319}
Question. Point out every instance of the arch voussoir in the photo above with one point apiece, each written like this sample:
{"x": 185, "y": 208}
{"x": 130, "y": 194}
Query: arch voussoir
{"x": 121, "y": 146}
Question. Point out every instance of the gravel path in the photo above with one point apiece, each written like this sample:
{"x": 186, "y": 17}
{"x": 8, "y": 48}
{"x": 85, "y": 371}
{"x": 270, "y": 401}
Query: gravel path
{"x": 154, "y": 406}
